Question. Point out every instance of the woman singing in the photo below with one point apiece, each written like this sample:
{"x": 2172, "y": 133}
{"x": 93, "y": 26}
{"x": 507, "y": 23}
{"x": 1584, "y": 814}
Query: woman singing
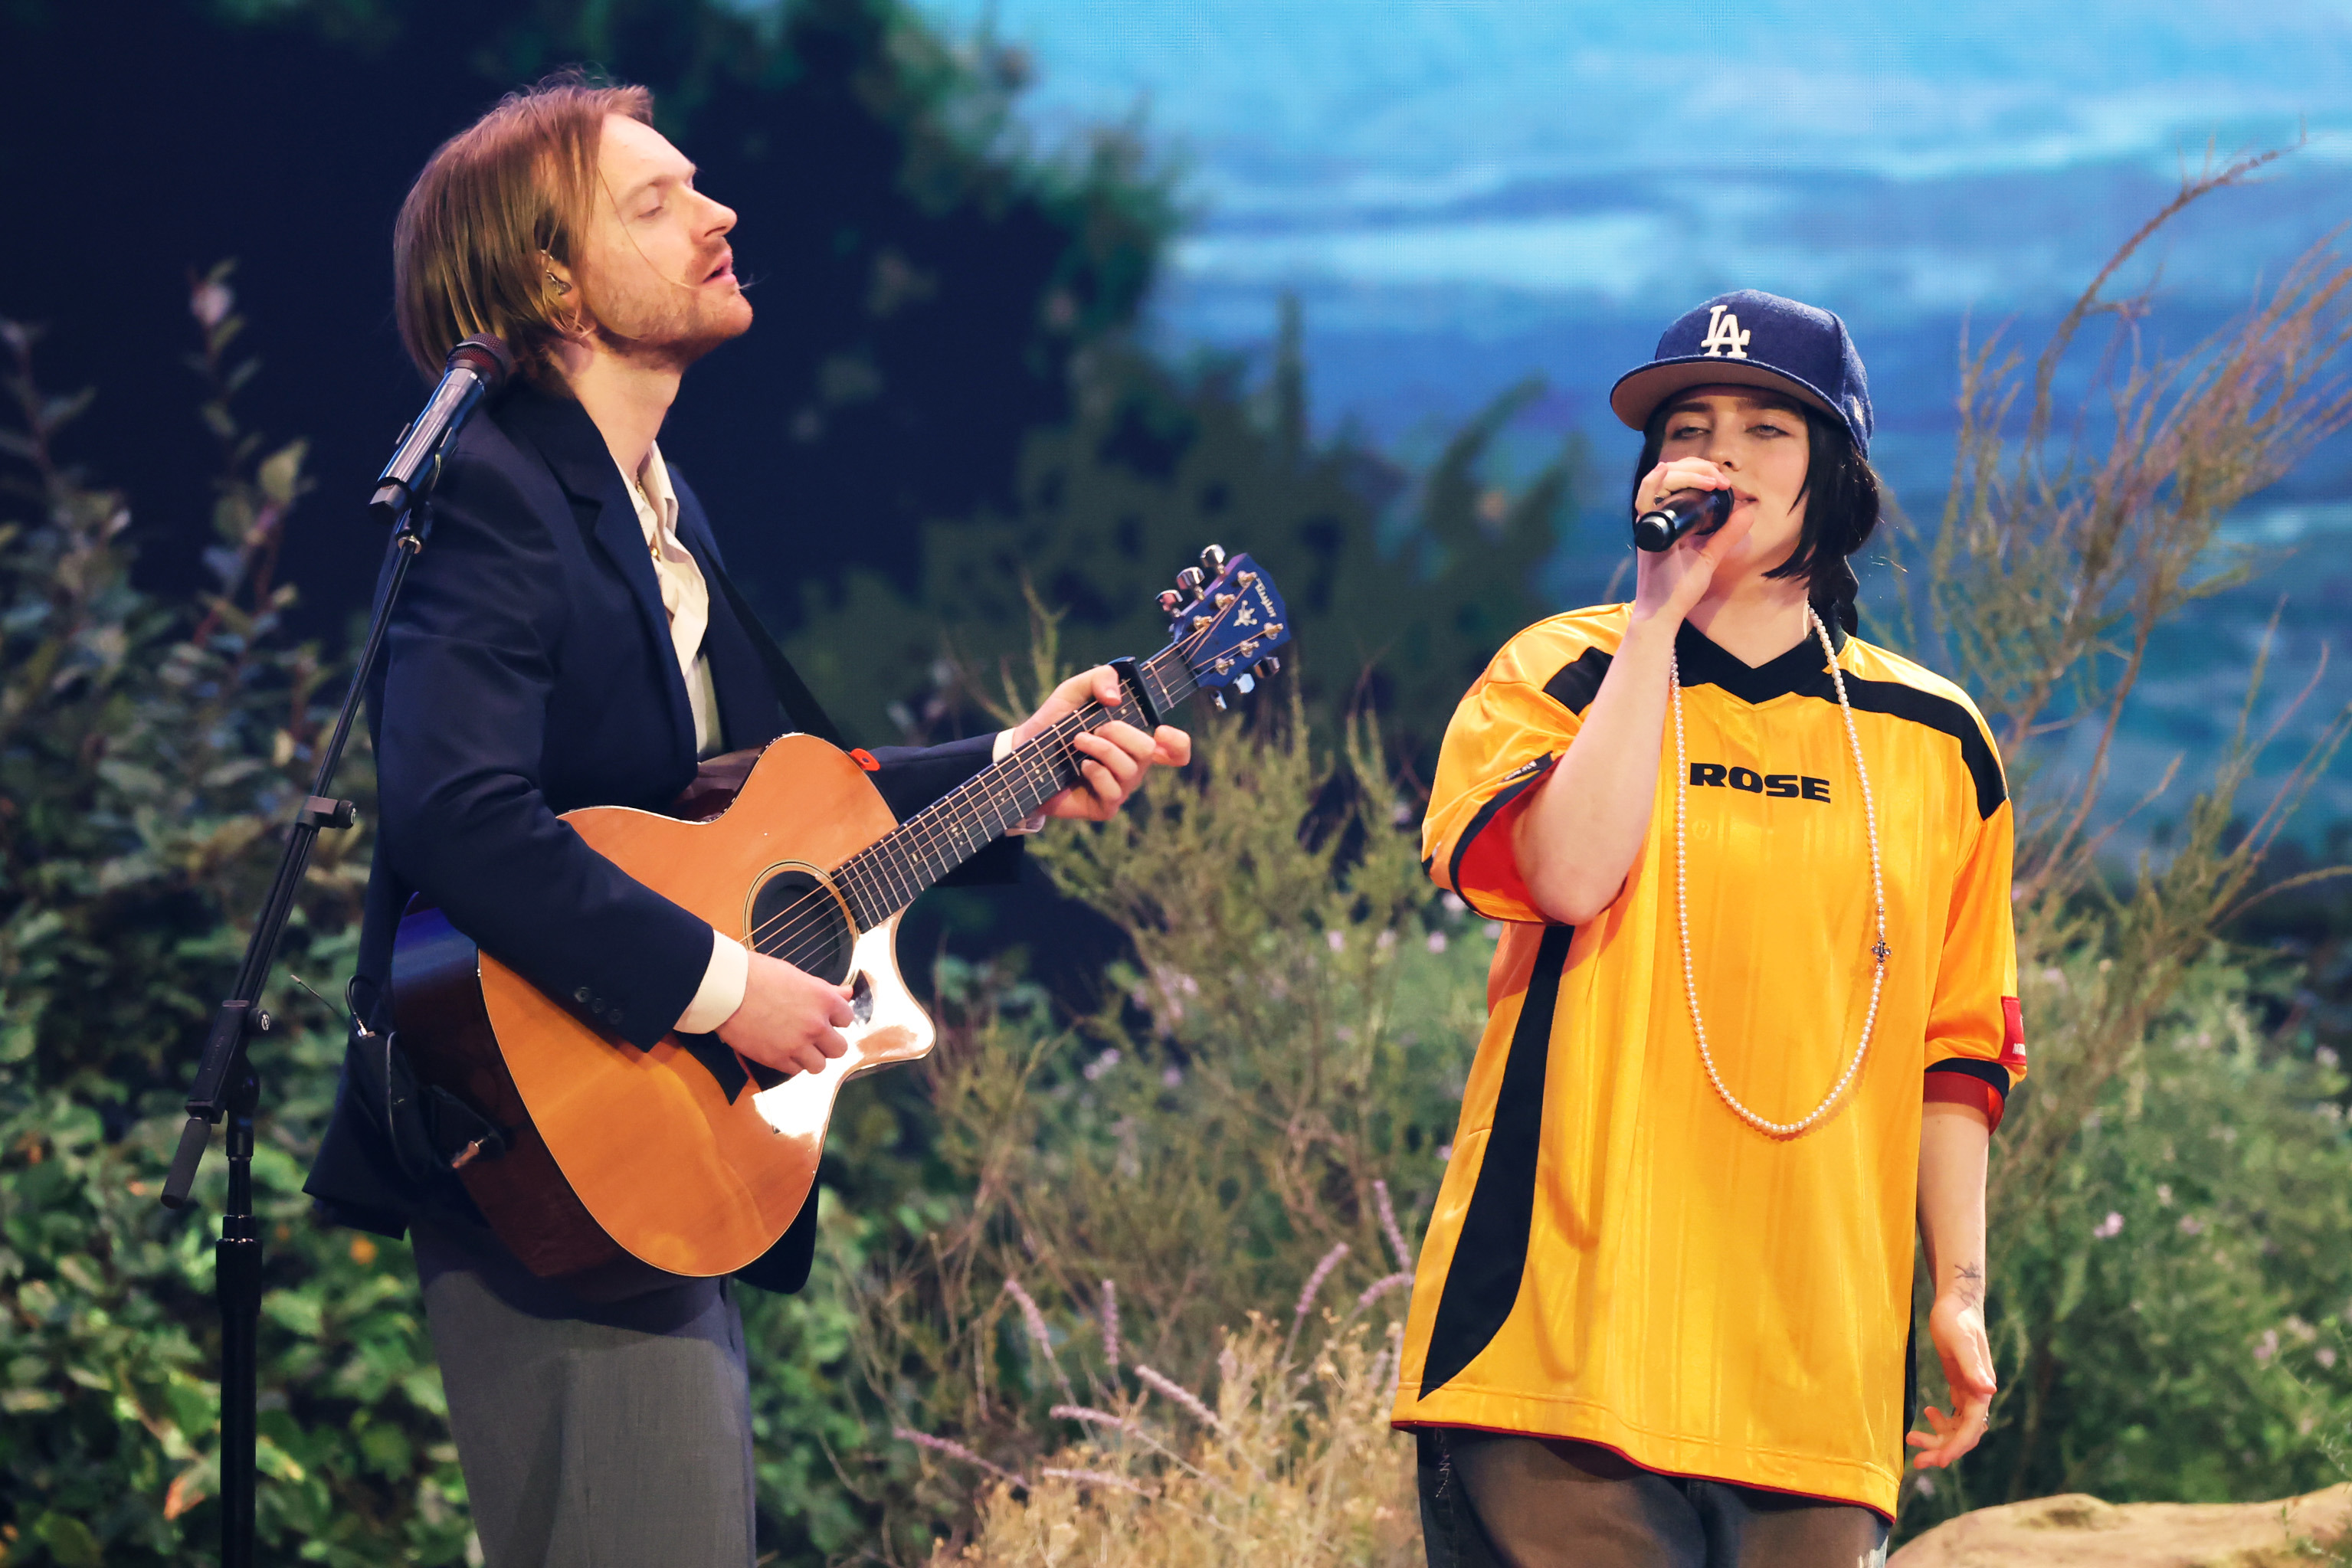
{"x": 1753, "y": 1010}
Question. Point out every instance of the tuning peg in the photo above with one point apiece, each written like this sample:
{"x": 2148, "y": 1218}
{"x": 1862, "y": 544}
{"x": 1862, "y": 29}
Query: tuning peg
{"x": 1267, "y": 667}
{"x": 1171, "y": 601}
{"x": 1213, "y": 559}
{"x": 1191, "y": 579}
{"x": 1244, "y": 684}
{"x": 1217, "y": 700}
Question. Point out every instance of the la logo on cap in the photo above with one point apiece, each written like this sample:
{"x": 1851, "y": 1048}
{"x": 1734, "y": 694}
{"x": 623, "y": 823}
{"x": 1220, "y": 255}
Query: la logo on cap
{"x": 1724, "y": 340}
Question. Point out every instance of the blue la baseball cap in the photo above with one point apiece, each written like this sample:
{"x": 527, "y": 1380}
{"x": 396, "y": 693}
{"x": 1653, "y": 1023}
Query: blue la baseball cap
{"x": 1748, "y": 338}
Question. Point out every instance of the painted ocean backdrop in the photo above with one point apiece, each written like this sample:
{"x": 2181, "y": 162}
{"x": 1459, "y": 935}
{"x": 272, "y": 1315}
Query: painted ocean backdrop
{"x": 1462, "y": 193}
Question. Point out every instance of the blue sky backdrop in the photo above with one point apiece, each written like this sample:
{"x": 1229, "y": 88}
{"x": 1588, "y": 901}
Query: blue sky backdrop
{"x": 1464, "y": 193}
{"x": 1471, "y": 176}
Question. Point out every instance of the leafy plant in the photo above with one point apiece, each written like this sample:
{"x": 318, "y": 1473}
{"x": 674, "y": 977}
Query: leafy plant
{"x": 148, "y": 751}
{"x": 2069, "y": 536}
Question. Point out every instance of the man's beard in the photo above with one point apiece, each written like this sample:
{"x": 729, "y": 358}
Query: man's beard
{"x": 676, "y": 331}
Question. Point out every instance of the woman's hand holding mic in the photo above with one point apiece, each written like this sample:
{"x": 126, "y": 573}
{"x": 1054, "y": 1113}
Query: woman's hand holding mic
{"x": 1669, "y": 582}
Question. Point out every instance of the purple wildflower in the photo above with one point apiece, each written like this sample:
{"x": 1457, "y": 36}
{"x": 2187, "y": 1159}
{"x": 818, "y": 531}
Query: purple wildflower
{"x": 210, "y": 303}
{"x": 1180, "y": 1394}
{"x": 1389, "y": 1225}
{"x": 1314, "y": 1287}
{"x": 955, "y": 1450}
{"x": 1315, "y": 1281}
{"x": 1036, "y": 1320}
{"x": 1110, "y": 1325}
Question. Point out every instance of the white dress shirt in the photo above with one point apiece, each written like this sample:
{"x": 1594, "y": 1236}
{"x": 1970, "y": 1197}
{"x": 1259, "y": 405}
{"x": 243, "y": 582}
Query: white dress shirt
{"x": 687, "y": 598}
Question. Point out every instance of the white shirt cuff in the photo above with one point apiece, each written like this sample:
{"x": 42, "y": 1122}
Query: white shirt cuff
{"x": 1035, "y": 820}
{"x": 721, "y": 991}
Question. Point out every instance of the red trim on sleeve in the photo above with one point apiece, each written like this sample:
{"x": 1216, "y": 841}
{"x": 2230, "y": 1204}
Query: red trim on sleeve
{"x": 1964, "y": 1089}
{"x": 2012, "y": 1035}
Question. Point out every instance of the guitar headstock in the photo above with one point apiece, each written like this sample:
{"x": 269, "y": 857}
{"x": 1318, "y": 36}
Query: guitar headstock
{"x": 1225, "y": 621}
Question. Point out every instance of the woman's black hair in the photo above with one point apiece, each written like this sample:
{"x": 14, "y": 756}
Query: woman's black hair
{"x": 1841, "y": 506}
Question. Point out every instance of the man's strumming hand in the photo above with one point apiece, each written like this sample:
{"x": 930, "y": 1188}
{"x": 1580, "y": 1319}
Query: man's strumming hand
{"x": 1113, "y": 760}
{"x": 789, "y": 1019}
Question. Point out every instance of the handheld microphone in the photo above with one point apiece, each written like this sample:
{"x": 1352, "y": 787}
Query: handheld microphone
{"x": 1684, "y": 510}
{"x": 478, "y": 367}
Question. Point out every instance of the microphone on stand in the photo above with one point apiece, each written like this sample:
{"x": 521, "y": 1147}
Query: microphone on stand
{"x": 1684, "y": 511}
{"x": 478, "y": 367}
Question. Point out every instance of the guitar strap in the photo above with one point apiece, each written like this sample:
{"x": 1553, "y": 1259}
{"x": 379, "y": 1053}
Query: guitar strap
{"x": 799, "y": 705}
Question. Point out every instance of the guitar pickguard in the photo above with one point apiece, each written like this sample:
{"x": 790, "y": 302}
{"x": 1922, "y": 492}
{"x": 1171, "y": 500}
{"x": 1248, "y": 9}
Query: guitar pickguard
{"x": 895, "y": 1029}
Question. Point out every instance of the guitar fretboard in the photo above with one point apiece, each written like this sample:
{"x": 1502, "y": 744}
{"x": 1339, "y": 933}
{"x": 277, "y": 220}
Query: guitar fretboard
{"x": 888, "y": 873}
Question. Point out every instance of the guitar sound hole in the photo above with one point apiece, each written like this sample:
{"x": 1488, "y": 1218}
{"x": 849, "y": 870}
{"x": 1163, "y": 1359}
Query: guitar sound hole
{"x": 796, "y": 919}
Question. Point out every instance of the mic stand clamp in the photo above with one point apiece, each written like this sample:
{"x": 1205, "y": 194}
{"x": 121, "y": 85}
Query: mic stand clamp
{"x": 226, "y": 1087}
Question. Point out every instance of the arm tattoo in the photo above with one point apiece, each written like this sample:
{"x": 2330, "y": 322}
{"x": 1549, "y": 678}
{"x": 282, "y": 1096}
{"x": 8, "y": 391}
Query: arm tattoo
{"x": 1968, "y": 1283}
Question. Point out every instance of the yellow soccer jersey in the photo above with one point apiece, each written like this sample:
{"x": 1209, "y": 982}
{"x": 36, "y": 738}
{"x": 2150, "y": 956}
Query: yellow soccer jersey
{"x": 1615, "y": 1257}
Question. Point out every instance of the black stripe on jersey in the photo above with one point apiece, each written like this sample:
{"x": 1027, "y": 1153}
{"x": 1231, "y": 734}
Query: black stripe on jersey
{"x": 1576, "y": 684}
{"x": 1490, "y": 1255}
{"x": 1991, "y": 1073}
{"x": 1801, "y": 670}
{"x": 1700, "y": 661}
{"x": 1531, "y": 773}
{"x": 1900, "y": 701}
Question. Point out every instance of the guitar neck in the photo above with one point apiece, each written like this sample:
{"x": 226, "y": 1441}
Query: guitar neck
{"x": 886, "y": 875}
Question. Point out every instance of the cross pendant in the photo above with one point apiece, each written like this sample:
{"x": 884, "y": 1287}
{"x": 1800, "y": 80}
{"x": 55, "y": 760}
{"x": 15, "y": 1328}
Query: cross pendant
{"x": 1882, "y": 952}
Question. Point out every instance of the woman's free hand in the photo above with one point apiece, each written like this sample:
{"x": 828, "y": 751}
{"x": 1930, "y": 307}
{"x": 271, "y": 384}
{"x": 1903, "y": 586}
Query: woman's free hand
{"x": 1668, "y": 582}
{"x": 1113, "y": 760}
{"x": 1957, "y": 1326}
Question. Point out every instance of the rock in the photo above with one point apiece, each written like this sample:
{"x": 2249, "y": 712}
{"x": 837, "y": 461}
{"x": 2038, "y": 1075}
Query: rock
{"x": 2079, "y": 1532}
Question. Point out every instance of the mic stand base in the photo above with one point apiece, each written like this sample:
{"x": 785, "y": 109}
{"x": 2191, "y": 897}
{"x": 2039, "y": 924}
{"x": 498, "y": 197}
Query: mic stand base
{"x": 236, "y": 1282}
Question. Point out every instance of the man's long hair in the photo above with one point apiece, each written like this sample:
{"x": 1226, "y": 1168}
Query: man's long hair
{"x": 518, "y": 182}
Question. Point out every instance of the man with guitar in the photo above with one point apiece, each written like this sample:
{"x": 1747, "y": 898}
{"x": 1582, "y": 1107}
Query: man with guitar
{"x": 568, "y": 640}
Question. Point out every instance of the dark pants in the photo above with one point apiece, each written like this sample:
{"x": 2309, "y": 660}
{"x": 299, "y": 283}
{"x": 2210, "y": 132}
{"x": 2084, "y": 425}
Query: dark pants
{"x": 614, "y": 1436}
{"x": 1490, "y": 1500}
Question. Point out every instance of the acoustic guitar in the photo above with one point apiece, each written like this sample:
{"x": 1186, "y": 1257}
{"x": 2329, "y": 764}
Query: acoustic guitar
{"x": 598, "y": 1161}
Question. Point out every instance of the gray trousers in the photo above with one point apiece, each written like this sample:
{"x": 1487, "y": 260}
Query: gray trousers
{"x": 614, "y": 1436}
{"x": 1492, "y": 1501}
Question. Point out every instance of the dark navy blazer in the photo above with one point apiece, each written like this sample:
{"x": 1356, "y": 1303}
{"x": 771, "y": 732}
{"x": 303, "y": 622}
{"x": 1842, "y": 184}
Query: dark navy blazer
{"x": 530, "y": 670}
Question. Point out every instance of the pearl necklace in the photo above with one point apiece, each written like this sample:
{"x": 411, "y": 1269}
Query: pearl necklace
{"x": 1879, "y": 950}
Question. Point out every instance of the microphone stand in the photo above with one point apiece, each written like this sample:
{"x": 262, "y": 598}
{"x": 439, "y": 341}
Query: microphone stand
{"x": 226, "y": 1087}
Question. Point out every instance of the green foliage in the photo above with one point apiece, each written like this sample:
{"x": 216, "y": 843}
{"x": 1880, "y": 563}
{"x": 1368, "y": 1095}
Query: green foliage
{"x": 146, "y": 750}
{"x": 2145, "y": 1350}
{"x": 2171, "y": 1310}
{"x": 143, "y": 750}
{"x": 109, "y": 1341}
{"x": 1061, "y": 1219}
{"x": 1285, "y": 1062}
{"x": 1399, "y": 591}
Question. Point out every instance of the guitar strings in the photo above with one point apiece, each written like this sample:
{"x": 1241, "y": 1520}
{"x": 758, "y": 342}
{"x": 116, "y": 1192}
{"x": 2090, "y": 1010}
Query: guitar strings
{"x": 809, "y": 914}
{"x": 930, "y": 832}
